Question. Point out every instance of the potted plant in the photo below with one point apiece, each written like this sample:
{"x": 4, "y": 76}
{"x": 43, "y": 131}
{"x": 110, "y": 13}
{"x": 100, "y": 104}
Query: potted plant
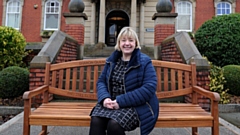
{"x": 45, "y": 35}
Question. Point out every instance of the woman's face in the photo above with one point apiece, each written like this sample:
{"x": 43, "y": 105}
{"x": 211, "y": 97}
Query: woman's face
{"x": 127, "y": 45}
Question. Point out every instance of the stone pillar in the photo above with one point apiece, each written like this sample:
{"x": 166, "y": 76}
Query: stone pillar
{"x": 101, "y": 32}
{"x": 142, "y": 31}
{"x": 75, "y": 23}
{"x": 93, "y": 25}
{"x": 133, "y": 14}
{"x": 164, "y": 24}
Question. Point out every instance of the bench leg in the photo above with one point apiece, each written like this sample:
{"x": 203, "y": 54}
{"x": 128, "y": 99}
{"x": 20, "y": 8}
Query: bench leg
{"x": 194, "y": 131}
{"x": 44, "y": 130}
{"x": 26, "y": 128}
{"x": 215, "y": 129}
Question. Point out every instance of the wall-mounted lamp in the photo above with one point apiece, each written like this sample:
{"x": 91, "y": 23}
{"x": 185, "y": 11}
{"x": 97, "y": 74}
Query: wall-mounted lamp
{"x": 35, "y": 6}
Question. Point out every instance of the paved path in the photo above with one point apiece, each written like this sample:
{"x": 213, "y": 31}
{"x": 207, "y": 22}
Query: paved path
{"x": 14, "y": 127}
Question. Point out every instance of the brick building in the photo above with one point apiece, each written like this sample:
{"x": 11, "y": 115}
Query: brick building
{"x": 105, "y": 18}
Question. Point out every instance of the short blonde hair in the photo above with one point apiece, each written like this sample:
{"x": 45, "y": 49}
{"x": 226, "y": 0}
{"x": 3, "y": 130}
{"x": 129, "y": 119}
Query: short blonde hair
{"x": 128, "y": 32}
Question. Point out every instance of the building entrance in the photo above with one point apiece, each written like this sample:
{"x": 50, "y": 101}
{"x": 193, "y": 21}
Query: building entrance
{"x": 115, "y": 21}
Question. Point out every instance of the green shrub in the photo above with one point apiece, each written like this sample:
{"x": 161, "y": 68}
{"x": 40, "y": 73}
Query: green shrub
{"x": 232, "y": 75}
{"x": 217, "y": 82}
{"x": 12, "y": 47}
{"x": 13, "y": 82}
{"x": 218, "y": 40}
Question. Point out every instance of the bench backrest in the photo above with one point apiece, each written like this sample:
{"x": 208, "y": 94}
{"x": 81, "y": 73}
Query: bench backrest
{"x": 77, "y": 79}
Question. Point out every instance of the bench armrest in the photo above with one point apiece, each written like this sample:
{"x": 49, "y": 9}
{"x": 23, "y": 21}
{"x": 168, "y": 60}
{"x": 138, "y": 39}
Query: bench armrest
{"x": 35, "y": 92}
{"x": 212, "y": 95}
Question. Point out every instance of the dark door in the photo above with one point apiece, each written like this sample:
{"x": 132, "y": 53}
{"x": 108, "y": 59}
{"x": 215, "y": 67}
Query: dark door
{"x": 115, "y": 21}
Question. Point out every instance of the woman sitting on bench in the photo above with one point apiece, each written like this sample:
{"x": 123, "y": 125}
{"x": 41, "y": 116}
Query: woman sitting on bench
{"x": 126, "y": 90}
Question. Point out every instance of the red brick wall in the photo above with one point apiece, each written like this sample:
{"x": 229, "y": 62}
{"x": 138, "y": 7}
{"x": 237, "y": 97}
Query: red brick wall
{"x": 68, "y": 52}
{"x": 1, "y": 12}
{"x": 161, "y": 31}
{"x": 31, "y": 20}
{"x": 169, "y": 52}
{"x": 202, "y": 81}
{"x": 204, "y": 11}
{"x": 76, "y": 31}
{"x": 237, "y": 6}
{"x": 64, "y": 10}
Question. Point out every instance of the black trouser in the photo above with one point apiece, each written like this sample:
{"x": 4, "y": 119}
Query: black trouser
{"x": 99, "y": 126}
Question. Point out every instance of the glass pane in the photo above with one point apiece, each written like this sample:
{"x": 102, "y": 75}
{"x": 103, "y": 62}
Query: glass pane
{"x": 52, "y": 4}
{"x": 52, "y": 10}
{"x": 10, "y": 9}
{"x": 223, "y": 11}
{"x": 13, "y": 20}
{"x": 56, "y": 10}
{"x": 183, "y": 22}
{"x": 219, "y": 6}
{"x": 227, "y": 5}
{"x": 223, "y": 5}
{"x": 228, "y": 11}
{"x": 48, "y": 4}
{"x": 112, "y": 29}
{"x": 219, "y": 11}
{"x": 51, "y": 21}
{"x": 48, "y": 10}
{"x": 189, "y": 9}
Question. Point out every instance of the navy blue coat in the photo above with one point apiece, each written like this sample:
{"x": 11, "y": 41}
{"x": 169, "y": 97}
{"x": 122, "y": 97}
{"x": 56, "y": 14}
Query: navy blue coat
{"x": 140, "y": 86}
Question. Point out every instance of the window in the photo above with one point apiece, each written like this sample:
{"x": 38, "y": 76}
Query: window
{"x": 13, "y": 14}
{"x": 223, "y": 8}
{"x": 52, "y": 15}
{"x": 184, "y": 19}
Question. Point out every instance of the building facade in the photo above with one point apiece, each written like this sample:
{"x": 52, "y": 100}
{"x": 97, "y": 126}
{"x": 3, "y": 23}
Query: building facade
{"x": 38, "y": 18}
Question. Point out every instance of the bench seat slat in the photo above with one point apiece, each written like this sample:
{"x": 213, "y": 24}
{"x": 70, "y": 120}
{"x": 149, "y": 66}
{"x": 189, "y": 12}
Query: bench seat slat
{"x": 60, "y": 122}
{"x": 181, "y": 123}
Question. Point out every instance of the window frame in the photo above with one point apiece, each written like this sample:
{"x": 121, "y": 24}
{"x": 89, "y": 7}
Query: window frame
{"x": 5, "y": 16}
{"x": 192, "y": 14}
{"x": 231, "y": 2}
{"x": 44, "y": 6}
{"x": 224, "y": 2}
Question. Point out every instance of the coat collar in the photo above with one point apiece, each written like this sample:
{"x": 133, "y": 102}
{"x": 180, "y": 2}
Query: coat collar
{"x": 134, "y": 61}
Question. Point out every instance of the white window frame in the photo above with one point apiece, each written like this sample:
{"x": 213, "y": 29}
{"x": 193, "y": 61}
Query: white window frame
{"x": 44, "y": 9}
{"x": 224, "y": 8}
{"x": 231, "y": 2}
{"x": 5, "y": 13}
{"x": 177, "y": 2}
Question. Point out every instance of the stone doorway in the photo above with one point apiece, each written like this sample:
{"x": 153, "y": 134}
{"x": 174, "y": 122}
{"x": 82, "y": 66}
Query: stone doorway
{"x": 115, "y": 21}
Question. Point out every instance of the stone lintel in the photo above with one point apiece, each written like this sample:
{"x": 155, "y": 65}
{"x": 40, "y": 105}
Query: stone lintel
{"x": 77, "y": 15}
{"x": 164, "y": 15}
{"x": 165, "y": 18}
{"x": 75, "y": 18}
{"x": 39, "y": 61}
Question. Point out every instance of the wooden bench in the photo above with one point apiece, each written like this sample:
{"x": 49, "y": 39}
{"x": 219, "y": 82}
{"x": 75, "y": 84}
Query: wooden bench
{"x": 77, "y": 79}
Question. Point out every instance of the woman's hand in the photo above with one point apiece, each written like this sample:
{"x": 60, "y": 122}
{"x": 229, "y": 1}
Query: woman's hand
{"x": 108, "y": 103}
{"x": 115, "y": 104}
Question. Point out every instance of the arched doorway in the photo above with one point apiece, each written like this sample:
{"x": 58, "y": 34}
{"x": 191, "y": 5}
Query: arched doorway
{"x": 115, "y": 21}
